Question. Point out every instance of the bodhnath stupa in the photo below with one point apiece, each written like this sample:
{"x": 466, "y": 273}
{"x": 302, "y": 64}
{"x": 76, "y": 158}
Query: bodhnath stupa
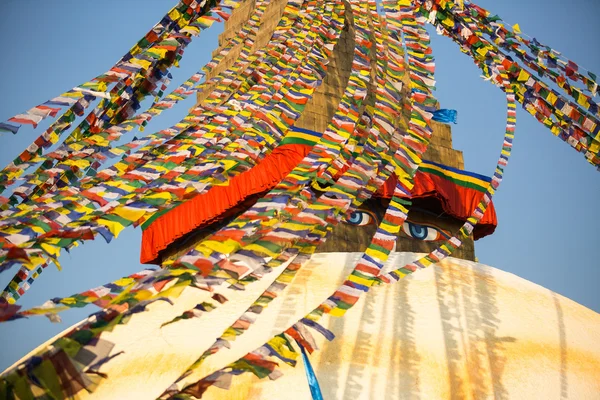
{"x": 315, "y": 172}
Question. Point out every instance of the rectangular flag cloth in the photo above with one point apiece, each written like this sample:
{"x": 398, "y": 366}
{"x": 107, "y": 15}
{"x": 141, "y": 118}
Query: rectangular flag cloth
{"x": 444, "y": 115}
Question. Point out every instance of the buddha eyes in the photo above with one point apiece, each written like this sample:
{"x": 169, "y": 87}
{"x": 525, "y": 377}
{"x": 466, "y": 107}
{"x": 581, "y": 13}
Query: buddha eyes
{"x": 427, "y": 233}
{"x": 424, "y": 232}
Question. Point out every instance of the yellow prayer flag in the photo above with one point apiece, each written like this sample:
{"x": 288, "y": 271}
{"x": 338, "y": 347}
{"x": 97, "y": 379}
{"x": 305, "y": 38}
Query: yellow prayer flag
{"x": 129, "y": 213}
{"x": 124, "y": 281}
{"x": 227, "y": 246}
{"x": 337, "y": 312}
{"x": 483, "y": 51}
{"x": 142, "y": 63}
{"x": 174, "y": 291}
{"x": 523, "y": 76}
{"x": 279, "y": 344}
{"x": 114, "y": 227}
{"x": 583, "y": 101}
{"x": 52, "y": 250}
{"x": 174, "y": 14}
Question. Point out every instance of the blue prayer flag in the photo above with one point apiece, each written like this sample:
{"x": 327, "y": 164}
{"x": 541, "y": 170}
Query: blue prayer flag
{"x": 445, "y": 116}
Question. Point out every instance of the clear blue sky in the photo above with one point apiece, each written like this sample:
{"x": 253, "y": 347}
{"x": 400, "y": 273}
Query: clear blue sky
{"x": 545, "y": 206}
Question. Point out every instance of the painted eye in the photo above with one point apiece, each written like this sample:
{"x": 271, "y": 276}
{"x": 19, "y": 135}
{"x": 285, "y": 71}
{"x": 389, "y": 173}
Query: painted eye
{"x": 359, "y": 218}
{"x": 424, "y": 232}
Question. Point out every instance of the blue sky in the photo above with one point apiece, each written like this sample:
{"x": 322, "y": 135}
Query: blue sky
{"x": 546, "y": 204}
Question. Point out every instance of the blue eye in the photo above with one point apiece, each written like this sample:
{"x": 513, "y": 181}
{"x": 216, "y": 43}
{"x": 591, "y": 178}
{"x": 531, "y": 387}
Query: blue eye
{"x": 424, "y": 232}
{"x": 359, "y": 218}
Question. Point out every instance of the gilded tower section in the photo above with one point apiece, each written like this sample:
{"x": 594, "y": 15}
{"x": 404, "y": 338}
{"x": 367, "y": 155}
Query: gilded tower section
{"x": 320, "y": 109}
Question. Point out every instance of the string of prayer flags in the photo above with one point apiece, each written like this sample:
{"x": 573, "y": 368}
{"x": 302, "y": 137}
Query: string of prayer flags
{"x": 174, "y": 20}
{"x": 74, "y": 158}
{"x": 545, "y": 58}
{"x": 199, "y": 309}
{"x": 178, "y": 95}
{"x": 102, "y": 296}
{"x": 116, "y": 110}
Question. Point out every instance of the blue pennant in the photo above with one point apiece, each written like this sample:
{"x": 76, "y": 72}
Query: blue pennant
{"x": 445, "y": 116}
{"x": 315, "y": 390}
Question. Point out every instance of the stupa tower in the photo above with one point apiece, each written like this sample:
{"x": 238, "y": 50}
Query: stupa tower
{"x": 315, "y": 118}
